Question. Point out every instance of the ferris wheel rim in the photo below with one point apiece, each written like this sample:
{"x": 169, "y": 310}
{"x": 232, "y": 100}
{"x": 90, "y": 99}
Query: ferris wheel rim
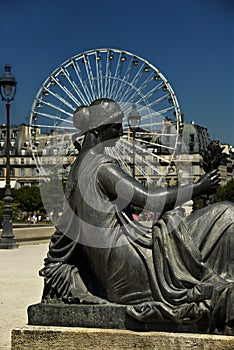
{"x": 67, "y": 62}
{"x": 54, "y": 75}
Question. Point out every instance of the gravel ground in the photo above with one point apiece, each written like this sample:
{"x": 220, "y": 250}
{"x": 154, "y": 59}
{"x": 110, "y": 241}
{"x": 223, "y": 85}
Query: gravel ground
{"x": 20, "y": 286}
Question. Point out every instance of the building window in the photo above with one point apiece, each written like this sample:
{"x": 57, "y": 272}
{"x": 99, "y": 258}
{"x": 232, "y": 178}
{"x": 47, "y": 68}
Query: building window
{"x": 1, "y": 172}
{"x": 33, "y": 172}
{"x": 192, "y": 137}
{"x": 191, "y": 172}
{"x": 191, "y": 143}
{"x": 22, "y": 172}
{"x": 14, "y": 134}
{"x": 12, "y": 171}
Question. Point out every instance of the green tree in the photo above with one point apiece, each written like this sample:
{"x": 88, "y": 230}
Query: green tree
{"x": 29, "y": 198}
{"x": 226, "y": 193}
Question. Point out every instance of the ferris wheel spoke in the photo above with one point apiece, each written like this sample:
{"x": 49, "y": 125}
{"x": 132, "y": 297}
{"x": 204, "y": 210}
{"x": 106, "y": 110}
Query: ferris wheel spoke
{"x": 134, "y": 94}
{"x": 46, "y": 91}
{"x": 51, "y": 127}
{"x": 54, "y": 117}
{"x": 156, "y": 169}
{"x": 66, "y": 91}
{"x": 133, "y": 85}
{"x": 88, "y": 99}
{"x": 124, "y": 80}
{"x": 140, "y": 169}
{"x": 145, "y": 84}
{"x": 40, "y": 168}
{"x": 138, "y": 75}
{"x": 55, "y": 107}
{"x": 150, "y": 93}
{"x": 155, "y": 144}
{"x": 117, "y": 76}
{"x": 151, "y": 167}
{"x": 145, "y": 121}
{"x": 124, "y": 154}
{"x": 116, "y": 155}
{"x": 59, "y": 98}
{"x": 90, "y": 76}
{"x": 146, "y": 117}
{"x": 124, "y": 96}
{"x": 73, "y": 85}
{"x": 160, "y": 112}
{"x": 98, "y": 60}
{"x": 129, "y": 145}
{"x": 109, "y": 58}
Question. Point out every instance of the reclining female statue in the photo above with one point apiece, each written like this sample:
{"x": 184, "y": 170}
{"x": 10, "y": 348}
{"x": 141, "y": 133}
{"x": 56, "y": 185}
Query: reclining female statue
{"x": 179, "y": 270}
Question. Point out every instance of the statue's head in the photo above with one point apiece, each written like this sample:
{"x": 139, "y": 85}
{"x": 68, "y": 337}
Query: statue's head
{"x": 101, "y": 112}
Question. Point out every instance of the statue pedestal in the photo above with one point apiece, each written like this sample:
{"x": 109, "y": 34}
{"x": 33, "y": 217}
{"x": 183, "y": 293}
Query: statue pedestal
{"x": 105, "y": 316}
{"x": 83, "y": 327}
{"x": 57, "y": 338}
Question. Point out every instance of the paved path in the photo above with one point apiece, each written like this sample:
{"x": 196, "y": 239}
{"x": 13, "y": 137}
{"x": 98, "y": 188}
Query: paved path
{"x": 20, "y": 286}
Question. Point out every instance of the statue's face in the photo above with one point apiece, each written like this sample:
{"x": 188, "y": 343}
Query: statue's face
{"x": 111, "y": 134}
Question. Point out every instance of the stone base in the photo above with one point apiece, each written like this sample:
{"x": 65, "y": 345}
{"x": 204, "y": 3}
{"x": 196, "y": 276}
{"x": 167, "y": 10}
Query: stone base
{"x": 57, "y": 338}
{"x": 8, "y": 243}
{"x": 102, "y": 316}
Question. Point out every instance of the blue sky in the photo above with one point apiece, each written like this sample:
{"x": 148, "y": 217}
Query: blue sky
{"x": 189, "y": 41}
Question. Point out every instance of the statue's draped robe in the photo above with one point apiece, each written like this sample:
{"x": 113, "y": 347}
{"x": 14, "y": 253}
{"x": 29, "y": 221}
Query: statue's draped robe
{"x": 178, "y": 271}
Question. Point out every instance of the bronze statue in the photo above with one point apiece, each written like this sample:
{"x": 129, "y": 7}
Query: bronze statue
{"x": 179, "y": 270}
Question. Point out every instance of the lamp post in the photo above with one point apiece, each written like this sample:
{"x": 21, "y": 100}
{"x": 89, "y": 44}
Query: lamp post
{"x": 134, "y": 120}
{"x": 7, "y": 92}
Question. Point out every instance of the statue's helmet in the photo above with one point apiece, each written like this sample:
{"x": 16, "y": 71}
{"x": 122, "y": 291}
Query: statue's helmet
{"x": 100, "y": 112}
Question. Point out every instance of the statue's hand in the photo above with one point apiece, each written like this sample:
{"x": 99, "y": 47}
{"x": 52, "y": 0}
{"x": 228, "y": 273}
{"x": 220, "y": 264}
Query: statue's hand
{"x": 209, "y": 182}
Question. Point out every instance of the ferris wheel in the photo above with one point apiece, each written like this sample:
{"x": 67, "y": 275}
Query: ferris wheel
{"x": 125, "y": 78}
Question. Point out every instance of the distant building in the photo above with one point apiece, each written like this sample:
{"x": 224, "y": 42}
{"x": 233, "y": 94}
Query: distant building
{"x": 195, "y": 140}
{"x": 153, "y": 157}
{"x": 26, "y": 143}
{"x": 23, "y": 171}
{"x": 226, "y": 169}
{"x": 186, "y": 166}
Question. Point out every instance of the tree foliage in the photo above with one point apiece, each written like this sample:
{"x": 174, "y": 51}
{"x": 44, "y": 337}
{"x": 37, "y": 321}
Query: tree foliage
{"x": 226, "y": 193}
{"x": 29, "y": 198}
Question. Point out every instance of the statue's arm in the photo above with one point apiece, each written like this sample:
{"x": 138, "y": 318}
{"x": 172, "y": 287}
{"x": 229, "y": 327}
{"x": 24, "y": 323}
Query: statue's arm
{"x": 120, "y": 185}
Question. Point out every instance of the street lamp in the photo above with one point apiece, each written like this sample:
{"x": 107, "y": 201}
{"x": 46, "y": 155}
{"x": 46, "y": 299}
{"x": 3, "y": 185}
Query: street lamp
{"x": 134, "y": 120}
{"x": 7, "y": 92}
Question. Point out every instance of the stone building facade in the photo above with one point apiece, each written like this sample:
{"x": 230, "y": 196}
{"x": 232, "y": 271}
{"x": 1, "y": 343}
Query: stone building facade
{"x": 152, "y": 157}
{"x": 23, "y": 171}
